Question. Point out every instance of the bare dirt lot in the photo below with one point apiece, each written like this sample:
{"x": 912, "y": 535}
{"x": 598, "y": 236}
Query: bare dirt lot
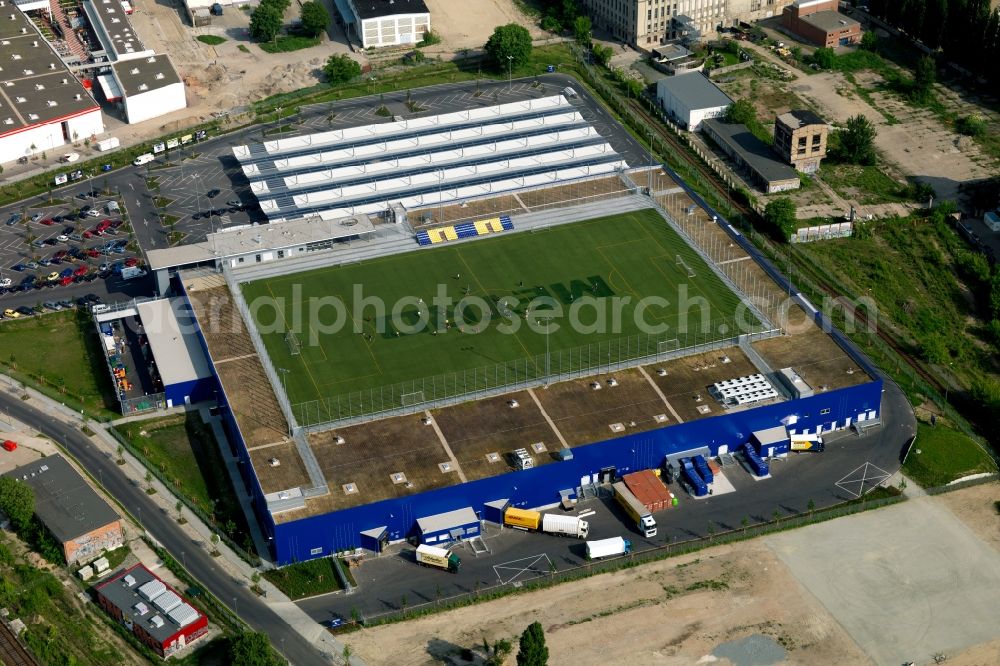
{"x": 663, "y": 613}
{"x": 686, "y": 610}
{"x": 468, "y": 25}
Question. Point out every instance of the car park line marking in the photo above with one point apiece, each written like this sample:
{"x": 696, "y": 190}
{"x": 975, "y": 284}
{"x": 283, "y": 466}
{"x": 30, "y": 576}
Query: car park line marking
{"x": 854, "y": 482}
{"x": 515, "y": 568}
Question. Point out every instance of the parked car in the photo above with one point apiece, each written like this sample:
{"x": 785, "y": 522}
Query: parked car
{"x": 80, "y": 271}
{"x": 45, "y": 262}
{"x": 32, "y": 265}
{"x": 93, "y": 298}
{"x": 36, "y": 217}
{"x": 65, "y": 303}
{"x": 68, "y": 230}
{"x": 53, "y": 276}
{"x": 20, "y": 268}
{"x": 13, "y": 219}
{"x": 66, "y": 281}
{"x": 93, "y": 253}
{"x": 214, "y": 192}
{"x": 62, "y": 238}
{"x": 50, "y": 241}
{"x": 26, "y": 311}
{"x": 5, "y": 282}
{"x": 51, "y": 305}
{"x": 66, "y": 272}
{"x": 11, "y": 314}
{"x": 131, "y": 261}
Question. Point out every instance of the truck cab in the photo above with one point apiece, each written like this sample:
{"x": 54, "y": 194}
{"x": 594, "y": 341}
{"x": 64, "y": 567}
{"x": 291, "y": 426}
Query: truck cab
{"x": 647, "y": 526}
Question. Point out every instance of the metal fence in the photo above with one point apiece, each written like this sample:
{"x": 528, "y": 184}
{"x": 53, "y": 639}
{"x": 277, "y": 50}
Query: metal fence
{"x": 277, "y": 385}
{"x": 556, "y": 366}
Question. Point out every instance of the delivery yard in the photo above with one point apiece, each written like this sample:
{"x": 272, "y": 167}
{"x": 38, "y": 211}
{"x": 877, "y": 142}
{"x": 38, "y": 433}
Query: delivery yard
{"x": 735, "y": 600}
{"x": 393, "y": 580}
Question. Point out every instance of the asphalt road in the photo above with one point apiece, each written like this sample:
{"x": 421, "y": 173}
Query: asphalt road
{"x": 161, "y": 527}
{"x": 517, "y": 556}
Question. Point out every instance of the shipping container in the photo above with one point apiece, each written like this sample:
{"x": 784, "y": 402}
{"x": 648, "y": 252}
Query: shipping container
{"x": 528, "y": 520}
{"x": 648, "y": 489}
{"x": 758, "y": 466}
{"x": 703, "y": 470}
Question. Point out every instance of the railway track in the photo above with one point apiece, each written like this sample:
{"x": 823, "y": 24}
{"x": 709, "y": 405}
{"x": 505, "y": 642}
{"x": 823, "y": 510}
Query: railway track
{"x": 12, "y": 653}
{"x": 681, "y": 149}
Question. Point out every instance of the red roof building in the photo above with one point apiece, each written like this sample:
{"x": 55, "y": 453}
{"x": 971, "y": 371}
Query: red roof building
{"x": 152, "y": 610}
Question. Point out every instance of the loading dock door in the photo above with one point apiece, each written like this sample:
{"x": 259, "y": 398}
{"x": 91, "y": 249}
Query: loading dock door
{"x": 375, "y": 539}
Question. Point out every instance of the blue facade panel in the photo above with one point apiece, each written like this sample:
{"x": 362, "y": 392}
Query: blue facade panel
{"x": 329, "y": 533}
{"x": 196, "y": 390}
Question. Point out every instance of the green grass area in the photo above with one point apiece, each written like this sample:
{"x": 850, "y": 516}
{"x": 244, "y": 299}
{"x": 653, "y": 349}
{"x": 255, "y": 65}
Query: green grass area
{"x": 867, "y": 184}
{"x": 586, "y": 271}
{"x": 305, "y": 579}
{"x": 286, "y": 43}
{"x": 944, "y": 455}
{"x": 211, "y": 40}
{"x": 60, "y": 630}
{"x": 183, "y": 450}
{"x": 243, "y": 47}
{"x": 59, "y": 354}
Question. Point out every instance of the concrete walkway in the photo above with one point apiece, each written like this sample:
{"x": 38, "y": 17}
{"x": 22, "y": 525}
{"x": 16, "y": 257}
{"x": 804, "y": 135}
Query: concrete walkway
{"x": 198, "y": 532}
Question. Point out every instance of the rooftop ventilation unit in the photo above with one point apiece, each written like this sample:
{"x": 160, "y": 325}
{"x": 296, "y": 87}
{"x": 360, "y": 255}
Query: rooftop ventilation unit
{"x": 350, "y": 489}
{"x": 129, "y": 580}
{"x": 274, "y": 462}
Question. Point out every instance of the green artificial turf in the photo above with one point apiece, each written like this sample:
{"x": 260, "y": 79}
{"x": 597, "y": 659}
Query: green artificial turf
{"x": 628, "y": 257}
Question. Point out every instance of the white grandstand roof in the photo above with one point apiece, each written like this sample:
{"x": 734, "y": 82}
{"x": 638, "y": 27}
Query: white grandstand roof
{"x": 173, "y": 340}
{"x": 425, "y": 161}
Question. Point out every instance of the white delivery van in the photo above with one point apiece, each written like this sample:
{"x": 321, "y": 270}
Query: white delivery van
{"x": 145, "y": 158}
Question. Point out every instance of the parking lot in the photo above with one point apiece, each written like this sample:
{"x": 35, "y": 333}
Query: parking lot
{"x": 850, "y": 467}
{"x": 59, "y": 252}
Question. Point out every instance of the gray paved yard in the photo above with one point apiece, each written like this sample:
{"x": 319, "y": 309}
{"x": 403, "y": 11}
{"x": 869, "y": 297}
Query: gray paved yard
{"x": 907, "y": 582}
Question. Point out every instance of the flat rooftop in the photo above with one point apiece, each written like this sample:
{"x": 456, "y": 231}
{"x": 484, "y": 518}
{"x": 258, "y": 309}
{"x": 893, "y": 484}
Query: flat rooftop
{"x": 143, "y": 596}
{"x": 797, "y": 118}
{"x": 757, "y": 154}
{"x": 144, "y": 74}
{"x": 119, "y": 34}
{"x": 361, "y": 463}
{"x": 367, "y": 9}
{"x": 829, "y": 21}
{"x": 176, "y": 349}
{"x": 64, "y": 502}
{"x": 694, "y": 90}
{"x": 35, "y": 85}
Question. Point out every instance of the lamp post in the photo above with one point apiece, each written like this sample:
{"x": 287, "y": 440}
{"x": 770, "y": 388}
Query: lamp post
{"x": 548, "y": 368}
{"x": 284, "y": 390}
{"x": 510, "y": 73}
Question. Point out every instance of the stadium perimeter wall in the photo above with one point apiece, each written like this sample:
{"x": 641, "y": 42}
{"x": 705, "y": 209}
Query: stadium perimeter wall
{"x": 323, "y": 535}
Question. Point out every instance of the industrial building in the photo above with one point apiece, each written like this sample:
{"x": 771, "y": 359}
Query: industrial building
{"x": 752, "y": 157}
{"x": 152, "y": 610}
{"x": 43, "y": 105}
{"x": 154, "y": 356}
{"x": 144, "y": 85}
{"x": 383, "y": 169}
{"x": 819, "y": 22}
{"x": 800, "y": 139}
{"x": 76, "y": 516}
{"x": 648, "y": 23}
{"x": 688, "y": 100}
{"x": 379, "y": 23}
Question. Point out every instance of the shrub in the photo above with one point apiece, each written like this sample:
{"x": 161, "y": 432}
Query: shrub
{"x": 341, "y": 69}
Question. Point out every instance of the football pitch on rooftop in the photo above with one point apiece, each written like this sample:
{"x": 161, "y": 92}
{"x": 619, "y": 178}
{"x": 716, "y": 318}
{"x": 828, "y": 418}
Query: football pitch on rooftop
{"x": 517, "y": 306}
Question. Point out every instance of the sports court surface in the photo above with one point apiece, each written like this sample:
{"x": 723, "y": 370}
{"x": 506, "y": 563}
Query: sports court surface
{"x": 586, "y": 267}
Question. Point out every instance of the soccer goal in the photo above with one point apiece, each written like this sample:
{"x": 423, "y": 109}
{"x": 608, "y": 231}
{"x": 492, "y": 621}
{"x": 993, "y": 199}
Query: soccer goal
{"x": 414, "y": 398}
{"x": 684, "y": 266}
{"x": 294, "y": 346}
{"x": 664, "y": 346}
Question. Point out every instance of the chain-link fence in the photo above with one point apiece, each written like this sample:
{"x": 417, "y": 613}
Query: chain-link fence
{"x": 555, "y": 366}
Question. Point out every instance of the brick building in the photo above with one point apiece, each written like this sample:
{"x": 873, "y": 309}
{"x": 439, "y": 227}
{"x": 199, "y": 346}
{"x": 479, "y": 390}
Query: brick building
{"x": 800, "y": 139}
{"x": 152, "y": 610}
{"x": 819, "y": 22}
{"x": 82, "y": 522}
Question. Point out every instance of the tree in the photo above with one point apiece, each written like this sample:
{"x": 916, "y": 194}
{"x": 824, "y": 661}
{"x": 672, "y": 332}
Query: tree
{"x": 550, "y": 24}
{"x": 341, "y": 69}
{"x": 265, "y": 22}
{"x": 314, "y": 17}
{"x": 17, "y": 500}
{"x": 603, "y": 53}
{"x": 581, "y": 30}
{"x": 215, "y": 543}
{"x": 924, "y": 76}
{"x": 780, "y": 216}
{"x": 857, "y": 140}
{"x": 935, "y": 16}
{"x": 869, "y": 41}
{"x": 532, "y": 651}
{"x": 509, "y": 45}
{"x": 741, "y": 111}
{"x": 251, "y": 648}
{"x": 824, "y": 58}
